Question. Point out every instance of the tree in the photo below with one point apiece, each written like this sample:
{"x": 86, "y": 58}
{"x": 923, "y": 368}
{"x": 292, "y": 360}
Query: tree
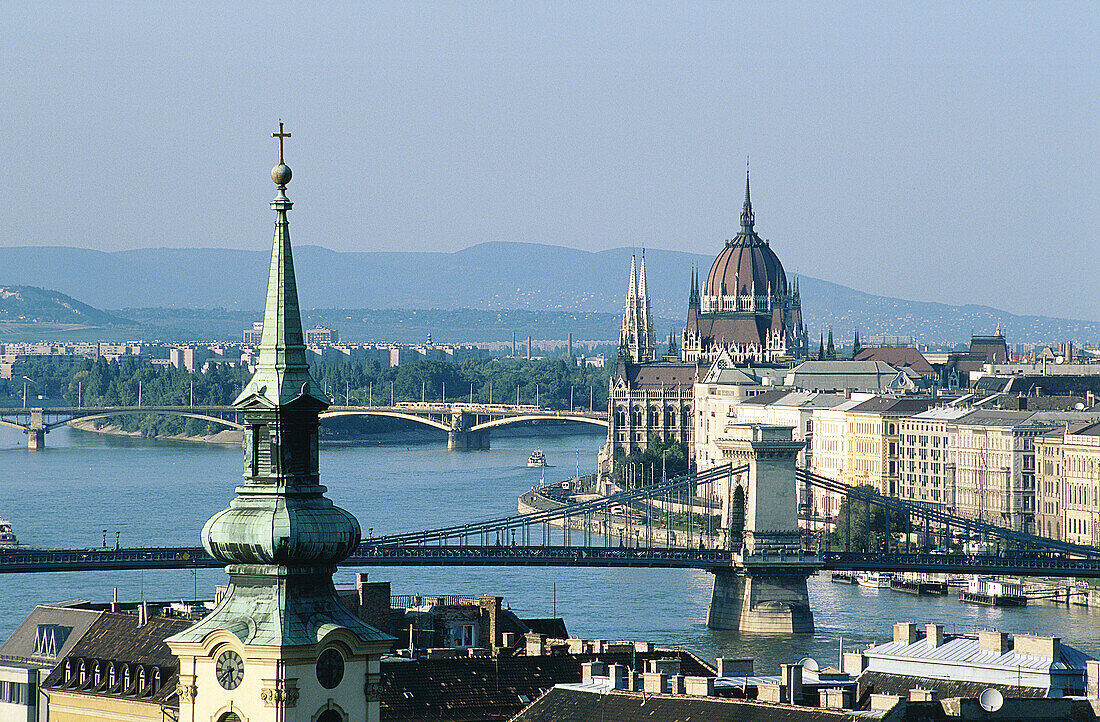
{"x": 851, "y": 525}
{"x": 661, "y": 458}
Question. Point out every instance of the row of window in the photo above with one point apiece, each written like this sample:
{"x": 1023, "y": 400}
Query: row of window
{"x": 131, "y": 679}
{"x": 15, "y": 692}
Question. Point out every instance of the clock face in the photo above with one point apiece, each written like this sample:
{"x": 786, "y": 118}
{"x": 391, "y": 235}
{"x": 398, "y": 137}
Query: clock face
{"x": 330, "y": 668}
{"x": 229, "y": 669}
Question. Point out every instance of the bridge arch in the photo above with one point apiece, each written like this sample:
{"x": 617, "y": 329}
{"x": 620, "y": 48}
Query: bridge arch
{"x": 391, "y": 414}
{"x": 145, "y": 412}
{"x": 13, "y": 425}
{"x": 496, "y": 423}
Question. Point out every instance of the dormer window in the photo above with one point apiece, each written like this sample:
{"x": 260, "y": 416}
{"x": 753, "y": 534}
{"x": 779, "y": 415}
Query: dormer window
{"x": 83, "y": 673}
{"x": 156, "y": 680}
{"x": 111, "y": 676}
{"x": 126, "y": 678}
{"x": 68, "y": 670}
{"x": 97, "y": 676}
{"x": 141, "y": 680}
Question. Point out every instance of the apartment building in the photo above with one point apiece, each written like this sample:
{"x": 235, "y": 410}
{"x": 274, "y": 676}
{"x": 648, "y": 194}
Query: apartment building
{"x": 874, "y": 439}
{"x": 926, "y": 473}
{"x": 1067, "y": 483}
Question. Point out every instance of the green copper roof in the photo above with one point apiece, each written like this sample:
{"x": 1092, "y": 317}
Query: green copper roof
{"x": 282, "y": 372}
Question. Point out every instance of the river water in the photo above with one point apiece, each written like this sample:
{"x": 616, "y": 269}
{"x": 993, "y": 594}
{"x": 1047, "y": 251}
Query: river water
{"x": 158, "y": 492}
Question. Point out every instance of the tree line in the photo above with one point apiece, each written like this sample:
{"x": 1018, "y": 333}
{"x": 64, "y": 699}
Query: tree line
{"x": 548, "y": 382}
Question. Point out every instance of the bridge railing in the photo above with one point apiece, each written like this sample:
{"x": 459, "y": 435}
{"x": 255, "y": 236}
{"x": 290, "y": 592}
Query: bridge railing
{"x": 582, "y": 514}
{"x": 930, "y": 515}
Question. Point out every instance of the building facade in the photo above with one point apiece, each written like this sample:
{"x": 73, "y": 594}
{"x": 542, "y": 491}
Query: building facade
{"x": 927, "y": 471}
{"x": 874, "y": 440}
{"x": 1067, "y": 484}
{"x": 746, "y": 305}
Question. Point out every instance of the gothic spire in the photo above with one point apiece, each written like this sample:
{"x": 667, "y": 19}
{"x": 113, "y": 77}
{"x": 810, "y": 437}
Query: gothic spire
{"x": 747, "y": 218}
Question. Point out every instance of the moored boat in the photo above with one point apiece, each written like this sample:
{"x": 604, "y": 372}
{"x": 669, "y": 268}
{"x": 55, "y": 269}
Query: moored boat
{"x": 874, "y": 580}
{"x": 7, "y": 536}
{"x": 536, "y": 459}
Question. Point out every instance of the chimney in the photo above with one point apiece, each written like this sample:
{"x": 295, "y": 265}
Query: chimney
{"x": 617, "y": 673}
{"x": 655, "y": 682}
{"x": 933, "y": 634}
{"x": 833, "y": 698}
{"x": 114, "y": 601}
{"x": 733, "y": 667}
{"x": 1044, "y": 647}
{"x": 990, "y": 640}
{"x": 792, "y": 680}
{"x": 699, "y": 686}
{"x": 922, "y": 695}
{"x": 536, "y": 644}
{"x": 592, "y": 669}
{"x": 854, "y": 663}
{"x": 143, "y": 614}
{"x": 1092, "y": 678}
{"x": 905, "y": 632}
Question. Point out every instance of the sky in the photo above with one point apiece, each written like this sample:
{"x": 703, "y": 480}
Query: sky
{"x": 932, "y": 151}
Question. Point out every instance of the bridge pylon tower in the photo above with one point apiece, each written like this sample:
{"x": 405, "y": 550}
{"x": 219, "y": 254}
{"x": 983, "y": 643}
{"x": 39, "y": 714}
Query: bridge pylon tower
{"x": 36, "y": 431}
{"x": 765, "y": 588}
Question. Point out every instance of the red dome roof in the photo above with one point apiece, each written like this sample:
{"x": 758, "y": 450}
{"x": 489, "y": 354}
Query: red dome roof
{"x": 746, "y": 266}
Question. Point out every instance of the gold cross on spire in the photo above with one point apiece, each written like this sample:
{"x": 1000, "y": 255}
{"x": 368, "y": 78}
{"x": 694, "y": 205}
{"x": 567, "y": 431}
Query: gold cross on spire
{"x": 280, "y": 135}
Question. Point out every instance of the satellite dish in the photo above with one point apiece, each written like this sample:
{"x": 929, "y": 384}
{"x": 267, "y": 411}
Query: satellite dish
{"x": 809, "y": 664}
{"x": 990, "y": 699}
{"x": 1079, "y": 406}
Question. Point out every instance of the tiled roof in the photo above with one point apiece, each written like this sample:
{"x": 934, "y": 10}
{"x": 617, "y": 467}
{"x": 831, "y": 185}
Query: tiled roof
{"x": 65, "y": 626}
{"x": 893, "y": 405}
{"x": 487, "y": 689}
{"x": 116, "y": 638}
{"x": 900, "y": 684}
{"x": 578, "y": 705}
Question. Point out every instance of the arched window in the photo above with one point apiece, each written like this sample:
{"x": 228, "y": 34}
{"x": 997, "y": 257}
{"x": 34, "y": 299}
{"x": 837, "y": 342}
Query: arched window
{"x": 68, "y": 670}
{"x": 97, "y": 677}
{"x": 330, "y": 715}
{"x": 83, "y": 673}
{"x": 621, "y": 416}
{"x": 639, "y": 418}
{"x": 141, "y": 680}
{"x": 126, "y": 678}
{"x": 229, "y": 717}
{"x": 111, "y": 676}
{"x": 654, "y": 416}
{"x": 156, "y": 680}
{"x": 670, "y": 417}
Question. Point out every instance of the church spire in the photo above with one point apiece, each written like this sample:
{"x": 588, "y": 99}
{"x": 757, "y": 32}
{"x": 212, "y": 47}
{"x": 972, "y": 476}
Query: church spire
{"x": 282, "y": 371}
{"x": 747, "y": 218}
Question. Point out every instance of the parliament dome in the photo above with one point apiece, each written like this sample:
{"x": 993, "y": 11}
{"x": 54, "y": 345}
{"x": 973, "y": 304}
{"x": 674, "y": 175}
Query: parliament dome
{"x": 747, "y": 266}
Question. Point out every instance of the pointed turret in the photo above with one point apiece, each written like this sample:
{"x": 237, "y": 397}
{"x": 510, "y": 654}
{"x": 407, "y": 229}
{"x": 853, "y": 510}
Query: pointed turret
{"x": 747, "y": 218}
{"x": 821, "y": 348}
{"x": 830, "y": 349}
{"x": 647, "y": 340}
{"x": 856, "y": 345}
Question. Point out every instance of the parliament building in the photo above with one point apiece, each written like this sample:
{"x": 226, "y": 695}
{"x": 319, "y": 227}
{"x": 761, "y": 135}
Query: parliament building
{"x": 746, "y": 312}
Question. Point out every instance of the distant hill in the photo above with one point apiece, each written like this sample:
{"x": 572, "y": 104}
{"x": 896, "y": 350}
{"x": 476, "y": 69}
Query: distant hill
{"x": 33, "y": 305}
{"x": 490, "y": 276}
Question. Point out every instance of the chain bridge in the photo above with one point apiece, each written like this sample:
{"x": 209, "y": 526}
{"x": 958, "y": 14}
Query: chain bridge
{"x": 467, "y": 425}
{"x": 723, "y": 520}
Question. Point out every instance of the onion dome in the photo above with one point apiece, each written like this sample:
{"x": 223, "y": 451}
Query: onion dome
{"x": 309, "y": 532}
{"x": 747, "y": 266}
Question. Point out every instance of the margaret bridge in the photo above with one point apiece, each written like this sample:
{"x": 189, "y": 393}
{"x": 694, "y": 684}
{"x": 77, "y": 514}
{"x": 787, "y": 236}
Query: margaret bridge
{"x": 467, "y": 425}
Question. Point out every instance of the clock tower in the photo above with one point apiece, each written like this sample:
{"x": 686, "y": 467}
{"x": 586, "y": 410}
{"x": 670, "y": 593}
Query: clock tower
{"x": 280, "y": 646}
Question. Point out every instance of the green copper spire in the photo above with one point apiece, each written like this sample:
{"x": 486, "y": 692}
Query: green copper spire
{"x": 282, "y": 372}
{"x": 281, "y": 537}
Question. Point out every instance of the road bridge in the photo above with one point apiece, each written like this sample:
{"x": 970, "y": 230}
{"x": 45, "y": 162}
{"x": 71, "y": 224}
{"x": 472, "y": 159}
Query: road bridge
{"x": 467, "y": 425}
{"x": 710, "y": 520}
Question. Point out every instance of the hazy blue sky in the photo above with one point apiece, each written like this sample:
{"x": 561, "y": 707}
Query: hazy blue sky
{"x": 933, "y": 151}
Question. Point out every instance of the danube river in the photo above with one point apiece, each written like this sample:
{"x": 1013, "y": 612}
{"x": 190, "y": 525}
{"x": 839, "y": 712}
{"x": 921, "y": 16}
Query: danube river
{"x": 156, "y": 492}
